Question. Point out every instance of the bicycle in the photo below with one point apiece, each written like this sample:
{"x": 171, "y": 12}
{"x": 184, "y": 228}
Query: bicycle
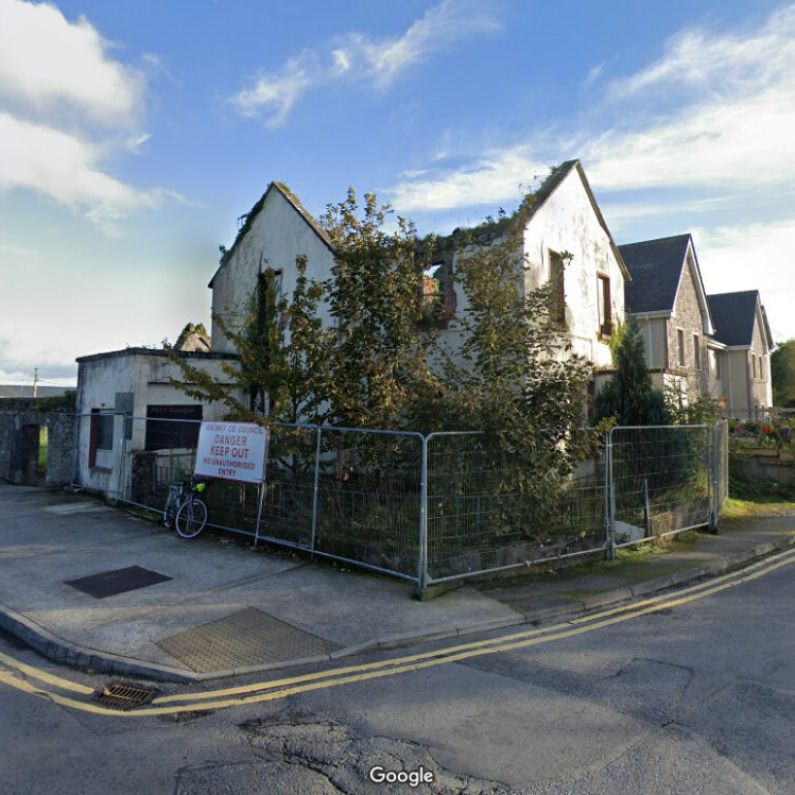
{"x": 184, "y": 510}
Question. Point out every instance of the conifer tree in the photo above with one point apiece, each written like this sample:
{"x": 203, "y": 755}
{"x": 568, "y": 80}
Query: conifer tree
{"x": 629, "y": 395}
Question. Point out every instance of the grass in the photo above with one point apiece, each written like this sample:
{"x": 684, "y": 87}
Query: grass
{"x": 43, "y": 445}
{"x": 737, "y": 508}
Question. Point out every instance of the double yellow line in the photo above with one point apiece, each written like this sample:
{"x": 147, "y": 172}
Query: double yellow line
{"x": 17, "y": 674}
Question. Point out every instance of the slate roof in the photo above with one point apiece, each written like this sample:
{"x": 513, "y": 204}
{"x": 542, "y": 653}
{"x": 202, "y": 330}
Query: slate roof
{"x": 734, "y": 315}
{"x": 656, "y": 268}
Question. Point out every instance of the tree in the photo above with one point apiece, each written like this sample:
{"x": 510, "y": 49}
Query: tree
{"x": 378, "y": 354}
{"x": 782, "y": 368}
{"x": 515, "y": 376}
{"x": 281, "y": 371}
{"x": 629, "y": 395}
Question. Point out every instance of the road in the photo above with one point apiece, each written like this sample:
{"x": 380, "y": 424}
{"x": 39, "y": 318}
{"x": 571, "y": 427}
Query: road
{"x": 694, "y": 693}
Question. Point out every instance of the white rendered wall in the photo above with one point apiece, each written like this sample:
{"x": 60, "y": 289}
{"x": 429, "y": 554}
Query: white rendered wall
{"x": 567, "y": 223}
{"x": 277, "y": 236}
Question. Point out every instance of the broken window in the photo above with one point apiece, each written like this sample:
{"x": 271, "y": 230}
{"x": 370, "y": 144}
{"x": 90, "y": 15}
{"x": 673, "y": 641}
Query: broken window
{"x": 558, "y": 289}
{"x": 431, "y": 295}
{"x": 605, "y": 305}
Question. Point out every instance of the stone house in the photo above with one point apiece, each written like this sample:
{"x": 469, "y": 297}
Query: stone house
{"x": 697, "y": 344}
{"x": 667, "y": 297}
{"x": 743, "y": 363}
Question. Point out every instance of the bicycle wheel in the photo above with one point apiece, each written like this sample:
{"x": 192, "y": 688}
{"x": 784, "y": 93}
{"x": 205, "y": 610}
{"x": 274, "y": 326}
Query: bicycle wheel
{"x": 191, "y": 518}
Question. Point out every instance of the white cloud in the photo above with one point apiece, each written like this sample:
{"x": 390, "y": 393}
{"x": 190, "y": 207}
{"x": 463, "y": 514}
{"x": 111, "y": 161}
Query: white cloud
{"x": 48, "y": 63}
{"x": 594, "y": 73}
{"x": 65, "y": 167}
{"x": 494, "y": 177}
{"x": 439, "y": 28}
{"x": 730, "y": 129}
{"x": 755, "y": 256}
{"x": 65, "y": 107}
{"x": 358, "y": 57}
{"x": 278, "y": 92}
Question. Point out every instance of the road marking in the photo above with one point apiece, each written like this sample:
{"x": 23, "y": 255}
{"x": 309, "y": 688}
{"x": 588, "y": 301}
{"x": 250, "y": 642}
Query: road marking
{"x": 282, "y": 688}
{"x": 590, "y": 618}
{"x": 43, "y": 676}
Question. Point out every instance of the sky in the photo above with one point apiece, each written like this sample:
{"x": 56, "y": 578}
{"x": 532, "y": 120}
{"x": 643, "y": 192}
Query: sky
{"x": 134, "y": 135}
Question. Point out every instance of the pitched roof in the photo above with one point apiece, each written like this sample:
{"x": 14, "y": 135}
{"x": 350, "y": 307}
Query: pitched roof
{"x": 656, "y": 268}
{"x": 550, "y": 185}
{"x": 734, "y": 315}
{"x": 488, "y": 231}
{"x": 294, "y": 201}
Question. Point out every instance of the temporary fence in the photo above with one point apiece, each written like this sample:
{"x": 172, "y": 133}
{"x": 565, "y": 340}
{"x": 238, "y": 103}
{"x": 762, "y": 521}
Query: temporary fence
{"x": 429, "y": 508}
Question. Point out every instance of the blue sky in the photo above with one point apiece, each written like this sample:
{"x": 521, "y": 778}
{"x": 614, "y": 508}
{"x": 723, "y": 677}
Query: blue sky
{"x": 132, "y": 136}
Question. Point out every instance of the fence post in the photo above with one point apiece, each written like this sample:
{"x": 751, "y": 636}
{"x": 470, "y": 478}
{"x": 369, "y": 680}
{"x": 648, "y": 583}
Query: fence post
{"x": 610, "y": 551}
{"x": 313, "y": 541}
{"x": 713, "y": 478}
{"x": 422, "y": 557}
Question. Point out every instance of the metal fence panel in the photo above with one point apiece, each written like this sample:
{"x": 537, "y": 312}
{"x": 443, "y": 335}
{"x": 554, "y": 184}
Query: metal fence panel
{"x": 660, "y": 479}
{"x": 435, "y": 508}
{"x": 368, "y": 505}
{"x": 491, "y": 509}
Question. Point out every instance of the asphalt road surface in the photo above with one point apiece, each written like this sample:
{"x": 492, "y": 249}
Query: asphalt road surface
{"x": 693, "y": 694}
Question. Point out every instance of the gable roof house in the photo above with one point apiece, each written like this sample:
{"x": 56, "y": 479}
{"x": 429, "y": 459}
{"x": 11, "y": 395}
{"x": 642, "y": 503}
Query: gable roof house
{"x": 667, "y": 297}
{"x": 564, "y": 220}
{"x": 741, "y": 328}
{"x": 275, "y": 231}
{"x": 565, "y": 241}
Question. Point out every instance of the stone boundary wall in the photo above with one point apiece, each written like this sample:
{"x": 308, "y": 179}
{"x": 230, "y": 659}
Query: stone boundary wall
{"x": 19, "y": 446}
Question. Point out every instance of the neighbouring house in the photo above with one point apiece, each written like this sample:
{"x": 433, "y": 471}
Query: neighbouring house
{"x": 116, "y": 391}
{"x": 698, "y": 345}
{"x": 667, "y": 297}
{"x": 742, "y": 331}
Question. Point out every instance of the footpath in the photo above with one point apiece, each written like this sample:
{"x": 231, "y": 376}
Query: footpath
{"x": 99, "y": 588}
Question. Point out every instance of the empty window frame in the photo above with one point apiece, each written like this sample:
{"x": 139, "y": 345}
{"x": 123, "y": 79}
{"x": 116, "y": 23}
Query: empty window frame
{"x": 680, "y": 347}
{"x": 431, "y": 292}
{"x": 557, "y": 283}
{"x": 696, "y": 352}
{"x": 100, "y": 434}
{"x": 605, "y": 304}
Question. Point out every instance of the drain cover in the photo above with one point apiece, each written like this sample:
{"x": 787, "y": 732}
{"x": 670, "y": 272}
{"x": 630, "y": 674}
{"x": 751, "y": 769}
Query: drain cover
{"x": 246, "y": 638}
{"x": 124, "y": 696}
{"x": 110, "y": 583}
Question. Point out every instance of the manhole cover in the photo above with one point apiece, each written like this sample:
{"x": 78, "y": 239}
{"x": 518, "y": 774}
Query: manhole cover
{"x": 124, "y": 696}
{"x": 110, "y": 583}
{"x": 246, "y": 638}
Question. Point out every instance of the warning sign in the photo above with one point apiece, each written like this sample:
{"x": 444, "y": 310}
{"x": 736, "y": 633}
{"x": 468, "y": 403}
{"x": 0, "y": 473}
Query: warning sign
{"x": 232, "y": 451}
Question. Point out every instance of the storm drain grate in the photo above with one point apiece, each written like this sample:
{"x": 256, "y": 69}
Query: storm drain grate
{"x": 124, "y": 696}
{"x": 111, "y": 583}
{"x": 247, "y": 638}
